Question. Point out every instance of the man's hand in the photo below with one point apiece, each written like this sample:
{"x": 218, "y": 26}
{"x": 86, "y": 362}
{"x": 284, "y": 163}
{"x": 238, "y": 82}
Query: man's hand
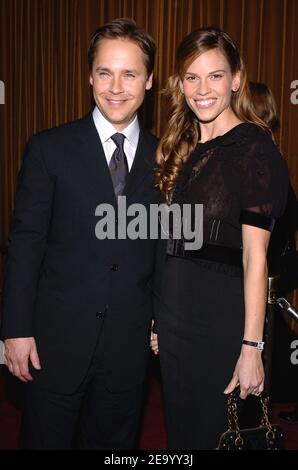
{"x": 17, "y": 353}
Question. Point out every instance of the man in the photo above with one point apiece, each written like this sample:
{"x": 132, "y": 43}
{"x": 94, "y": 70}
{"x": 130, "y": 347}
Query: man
{"x": 78, "y": 310}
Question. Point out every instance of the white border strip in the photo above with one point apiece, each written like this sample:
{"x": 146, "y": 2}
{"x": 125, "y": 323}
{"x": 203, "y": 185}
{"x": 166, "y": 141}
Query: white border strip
{"x": 2, "y": 361}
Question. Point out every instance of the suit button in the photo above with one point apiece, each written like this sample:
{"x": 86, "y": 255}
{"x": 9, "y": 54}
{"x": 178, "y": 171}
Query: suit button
{"x": 114, "y": 267}
{"x": 99, "y": 315}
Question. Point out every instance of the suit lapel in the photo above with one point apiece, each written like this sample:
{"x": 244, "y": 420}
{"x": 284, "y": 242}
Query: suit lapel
{"x": 95, "y": 163}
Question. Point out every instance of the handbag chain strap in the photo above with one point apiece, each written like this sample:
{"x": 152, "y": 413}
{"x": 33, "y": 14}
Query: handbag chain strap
{"x": 233, "y": 418}
{"x": 270, "y": 434}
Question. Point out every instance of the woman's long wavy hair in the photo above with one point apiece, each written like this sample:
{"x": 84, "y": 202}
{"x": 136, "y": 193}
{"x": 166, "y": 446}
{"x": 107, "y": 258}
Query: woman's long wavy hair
{"x": 183, "y": 131}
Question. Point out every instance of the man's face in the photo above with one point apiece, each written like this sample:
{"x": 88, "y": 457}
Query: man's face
{"x": 119, "y": 79}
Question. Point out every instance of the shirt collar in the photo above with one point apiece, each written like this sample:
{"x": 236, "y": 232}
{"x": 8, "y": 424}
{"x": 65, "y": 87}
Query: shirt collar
{"x": 105, "y": 129}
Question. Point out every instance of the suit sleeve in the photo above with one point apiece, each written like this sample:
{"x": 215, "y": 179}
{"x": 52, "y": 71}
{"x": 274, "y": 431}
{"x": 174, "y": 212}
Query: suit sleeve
{"x": 27, "y": 242}
{"x": 157, "y": 281}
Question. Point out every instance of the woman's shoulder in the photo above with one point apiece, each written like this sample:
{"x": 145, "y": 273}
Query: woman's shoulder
{"x": 250, "y": 141}
{"x": 245, "y": 133}
{"x": 256, "y": 155}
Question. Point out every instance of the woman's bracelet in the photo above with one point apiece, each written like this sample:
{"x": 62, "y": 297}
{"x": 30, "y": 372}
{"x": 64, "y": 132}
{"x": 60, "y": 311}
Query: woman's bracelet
{"x": 255, "y": 344}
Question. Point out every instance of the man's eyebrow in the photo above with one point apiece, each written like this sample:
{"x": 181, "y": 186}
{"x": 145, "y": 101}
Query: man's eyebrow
{"x": 130, "y": 71}
{"x": 103, "y": 69}
{"x": 106, "y": 69}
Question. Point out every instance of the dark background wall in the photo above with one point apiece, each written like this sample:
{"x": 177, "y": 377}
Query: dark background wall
{"x": 43, "y": 46}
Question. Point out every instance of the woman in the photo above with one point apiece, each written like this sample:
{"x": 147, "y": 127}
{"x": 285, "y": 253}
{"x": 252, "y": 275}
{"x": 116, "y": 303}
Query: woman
{"x": 215, "y": 152}
{"x": 264, "y": 104}
{"x": 282, "y": 257}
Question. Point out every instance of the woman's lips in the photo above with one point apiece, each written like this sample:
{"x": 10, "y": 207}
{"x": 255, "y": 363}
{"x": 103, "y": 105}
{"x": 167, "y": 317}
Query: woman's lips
{"x": 204, "y": 104}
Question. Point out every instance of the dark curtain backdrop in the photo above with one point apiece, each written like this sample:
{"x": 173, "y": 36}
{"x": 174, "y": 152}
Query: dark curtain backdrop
{"x": 43, "y": 46}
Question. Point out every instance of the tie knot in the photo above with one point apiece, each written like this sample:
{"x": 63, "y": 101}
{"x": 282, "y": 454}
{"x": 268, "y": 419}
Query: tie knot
{"x": 118, "y": 139}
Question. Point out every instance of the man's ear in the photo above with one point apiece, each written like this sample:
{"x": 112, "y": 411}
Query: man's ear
{"x": 149, "y": 81}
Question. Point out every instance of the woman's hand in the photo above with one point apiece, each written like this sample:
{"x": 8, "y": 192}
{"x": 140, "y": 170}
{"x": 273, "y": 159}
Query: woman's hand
{"x": 154, "y": 343}
{"x": 248, "y": 373}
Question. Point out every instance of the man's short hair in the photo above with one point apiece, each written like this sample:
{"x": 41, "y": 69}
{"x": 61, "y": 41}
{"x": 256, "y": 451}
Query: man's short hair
{"x": 124, "y": 28}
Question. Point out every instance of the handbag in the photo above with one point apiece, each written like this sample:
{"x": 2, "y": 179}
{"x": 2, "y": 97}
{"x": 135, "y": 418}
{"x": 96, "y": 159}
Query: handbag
{"x": 266, "y": 436}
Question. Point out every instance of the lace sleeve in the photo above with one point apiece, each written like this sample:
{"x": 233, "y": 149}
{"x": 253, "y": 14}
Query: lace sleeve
{"x": 264, "y": 185}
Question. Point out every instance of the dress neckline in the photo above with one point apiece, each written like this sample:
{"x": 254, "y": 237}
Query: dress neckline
{"x": 221, "y": 138}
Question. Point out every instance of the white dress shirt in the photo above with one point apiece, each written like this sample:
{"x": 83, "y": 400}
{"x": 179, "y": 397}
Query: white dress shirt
{"x": 105, "y": 130}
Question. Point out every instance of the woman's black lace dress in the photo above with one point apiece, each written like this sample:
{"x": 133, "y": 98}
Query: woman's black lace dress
{"x": 240, "y": 178}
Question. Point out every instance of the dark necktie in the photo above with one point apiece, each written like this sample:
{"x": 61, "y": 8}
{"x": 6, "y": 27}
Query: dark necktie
{"x": 118, "y": 164}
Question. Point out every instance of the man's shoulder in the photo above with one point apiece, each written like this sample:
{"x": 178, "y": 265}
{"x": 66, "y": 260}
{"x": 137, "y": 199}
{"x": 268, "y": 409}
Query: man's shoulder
{"x": 63, "y": 132}
{"x": 150, "y": 139}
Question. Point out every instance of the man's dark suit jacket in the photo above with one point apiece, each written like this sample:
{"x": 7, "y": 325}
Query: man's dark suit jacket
{"x": 61, "y": 281}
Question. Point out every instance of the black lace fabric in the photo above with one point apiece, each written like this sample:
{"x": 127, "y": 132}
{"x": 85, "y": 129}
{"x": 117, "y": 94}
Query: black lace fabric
{"x": 239, "y": 177}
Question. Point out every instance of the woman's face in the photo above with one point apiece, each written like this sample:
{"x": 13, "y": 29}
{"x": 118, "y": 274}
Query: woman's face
{"x": 208, "y": 85}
